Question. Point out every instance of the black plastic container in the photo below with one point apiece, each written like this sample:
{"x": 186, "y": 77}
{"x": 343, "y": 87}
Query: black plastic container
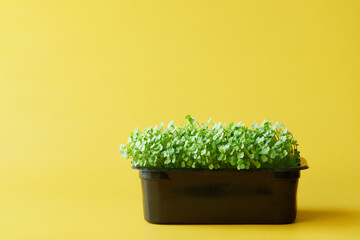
{"x": 194, "y": 196}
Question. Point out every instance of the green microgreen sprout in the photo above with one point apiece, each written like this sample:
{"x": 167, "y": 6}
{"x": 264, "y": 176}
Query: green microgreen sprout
{"x": 212, "y": 146}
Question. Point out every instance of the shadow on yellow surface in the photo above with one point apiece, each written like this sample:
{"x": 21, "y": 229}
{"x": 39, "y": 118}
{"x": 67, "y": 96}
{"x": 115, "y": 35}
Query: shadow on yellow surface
{"x": 328, "y": 217}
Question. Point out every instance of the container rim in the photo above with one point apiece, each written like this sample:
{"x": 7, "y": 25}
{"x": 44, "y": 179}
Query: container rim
{"x": 303, "y": 165}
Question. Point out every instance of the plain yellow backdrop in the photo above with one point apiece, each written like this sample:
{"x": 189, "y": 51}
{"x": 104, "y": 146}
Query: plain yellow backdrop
{"x": 76, "y": 77}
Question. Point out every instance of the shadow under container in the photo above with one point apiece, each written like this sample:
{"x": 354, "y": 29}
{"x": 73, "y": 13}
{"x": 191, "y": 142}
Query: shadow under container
{"x": 201, "y": 196}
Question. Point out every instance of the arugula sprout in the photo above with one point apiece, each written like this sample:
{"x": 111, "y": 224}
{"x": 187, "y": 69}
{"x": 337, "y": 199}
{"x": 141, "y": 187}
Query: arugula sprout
{"x": 219, "y": 146}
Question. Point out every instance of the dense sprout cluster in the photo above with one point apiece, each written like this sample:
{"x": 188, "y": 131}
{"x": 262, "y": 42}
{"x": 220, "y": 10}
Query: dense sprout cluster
{"x": 212, "y": 146}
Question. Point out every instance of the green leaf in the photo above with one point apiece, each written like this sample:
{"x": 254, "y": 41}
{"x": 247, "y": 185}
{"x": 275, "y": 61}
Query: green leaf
{"x": 272, "y": 154}
{"x": 182, "y": 164}
{"x": 203, "y": 152}
{"x": 240, "y": 155}
{"x": 191, "y": 119}
{"x": 260, "y": 139}
{"x": 211, "y": 166}
{"x": 222, "y": 149}
{"x": 171, "y": 124}
{"x": 285, "y": 153}
{"x": 265, "y": 150}
{"x": 264, "y": 158}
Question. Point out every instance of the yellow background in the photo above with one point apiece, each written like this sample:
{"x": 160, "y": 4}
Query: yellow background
{"x": 76, "y": 77}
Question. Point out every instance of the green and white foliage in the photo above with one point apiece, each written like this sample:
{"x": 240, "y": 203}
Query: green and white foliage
{"x": 213, "y": 146}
